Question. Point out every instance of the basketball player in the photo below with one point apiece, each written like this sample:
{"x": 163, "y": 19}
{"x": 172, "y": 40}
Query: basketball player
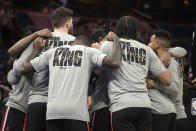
{"x": 163, "y": 109}
{"x": 16, "y": 106}
{"x": 37, "y": 100}
{"x": 71, "y": 66}
{"x": 129, "y": 102}
{"x": 101, "y": 114}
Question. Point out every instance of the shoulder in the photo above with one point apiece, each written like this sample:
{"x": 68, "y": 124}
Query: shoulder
{"x": 63, "y": 35}
{"x": 107, "y": 45}
{"x": 173, "y": 64}
{"x": 142, "y": 45}
{"x": 71, "y": 36}
{"x": 90, "y": 49}
{"x": 134, "y": 43}
{"x": 173, "y": 61}
{"x": 145, "y": 47}
{"x": 68, "y": 37}
{"x": 51, "y": 50}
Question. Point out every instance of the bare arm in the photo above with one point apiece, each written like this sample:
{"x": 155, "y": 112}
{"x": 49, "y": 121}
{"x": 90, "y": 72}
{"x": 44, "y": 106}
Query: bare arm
{"x": 169, "y": 90}
{"x": 37, "y": 48}
{"x": 17, "y": 48}
{"x": 115, "y": 60}
{"x": 165, "y": 78}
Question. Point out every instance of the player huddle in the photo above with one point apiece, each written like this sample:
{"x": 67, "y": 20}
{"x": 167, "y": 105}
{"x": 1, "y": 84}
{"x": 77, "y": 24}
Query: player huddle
{"x": 59, "y": 79}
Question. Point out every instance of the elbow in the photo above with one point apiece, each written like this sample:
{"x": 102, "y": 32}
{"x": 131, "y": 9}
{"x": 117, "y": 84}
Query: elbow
{"x": 116, "y": 65}
{"x": 27, "y": 69}
{"x": 10, "y": 53}
{"x": 13, "y": 81}
{"x": 23, "y": 70}
{"x": 168, "y": 82}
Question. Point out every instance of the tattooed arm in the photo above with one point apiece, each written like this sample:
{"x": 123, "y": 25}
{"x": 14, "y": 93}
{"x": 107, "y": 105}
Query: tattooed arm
{"x": 38, "y": 45}
{"x": 17, "y": 48}
{"x": 115, "y": 60}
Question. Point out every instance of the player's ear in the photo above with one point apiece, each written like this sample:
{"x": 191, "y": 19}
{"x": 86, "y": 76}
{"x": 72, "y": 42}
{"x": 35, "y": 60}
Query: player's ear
{"x": 156, "y": 45}
{"x": 68, "y": 23}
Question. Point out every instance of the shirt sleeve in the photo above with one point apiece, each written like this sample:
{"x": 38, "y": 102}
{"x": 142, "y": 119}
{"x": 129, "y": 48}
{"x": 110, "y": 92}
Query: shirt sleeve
{"x": 96, "y": 57}
{"x": 19, "y": 62}
{"x": 174, "y": 87}
{"x": 13, "y": 77}
{"x": 106, "y": 48}
{"x": 41, "y": 62}
{"x": 155, "y": 65}
{"x": 178, "y": 52}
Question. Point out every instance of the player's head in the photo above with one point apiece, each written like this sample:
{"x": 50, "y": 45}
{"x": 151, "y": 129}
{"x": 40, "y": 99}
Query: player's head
{"x": 62, "y": 18}
{"x": 97, "y": 36}
{"x": 82, "y": 40}
{"x": 160, "y": 39}
{"x": 127, "y": 27}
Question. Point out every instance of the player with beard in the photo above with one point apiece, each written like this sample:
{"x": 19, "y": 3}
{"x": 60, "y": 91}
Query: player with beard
{"x": 37, "y": 100}
{"x": 129, "y": 102}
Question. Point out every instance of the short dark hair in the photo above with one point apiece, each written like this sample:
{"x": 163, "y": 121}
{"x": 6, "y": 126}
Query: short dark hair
{"x": 85, "y": 40}
{"x": 100, "y": 34}
{"x": 127, "y": 27}
{"x": 60, "y": 16}
{"x": 164, "y": 36}
{"x": 97, "y": 35}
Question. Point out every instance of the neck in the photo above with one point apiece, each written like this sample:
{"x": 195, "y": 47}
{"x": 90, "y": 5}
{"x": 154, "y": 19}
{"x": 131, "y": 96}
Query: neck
{"x": 78, "y": 43}
{"x": 61, "y": 30}
{"x": 161, "y": 51}
{"x": 103, "y": 41}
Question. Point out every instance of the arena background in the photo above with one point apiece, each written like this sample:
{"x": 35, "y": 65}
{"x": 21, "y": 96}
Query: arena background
{"x": 176, "y": 16}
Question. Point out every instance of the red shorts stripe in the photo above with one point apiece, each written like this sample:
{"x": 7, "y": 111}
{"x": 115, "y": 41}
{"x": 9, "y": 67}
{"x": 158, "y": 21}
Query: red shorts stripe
{"x": 25, "y": 122}
{"x": 93, "y": 121}
{"x": 5, "y": 118}
{"x": 87, "y": 126}
{"x": 111, "y": 122}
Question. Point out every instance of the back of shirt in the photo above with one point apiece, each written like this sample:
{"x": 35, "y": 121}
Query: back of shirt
{"x": 18, "y": 99}
{"x": 177, "y": 98}
{"x": 39, "y": 90}
{"x": 100, "y": 96}
{"x": 70, "y": 69}
{"x": 20, "y": 84}
{"x": 160, "y": 102}
{"x": 168, "y": 99}
{"x": 127, "y": 86}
